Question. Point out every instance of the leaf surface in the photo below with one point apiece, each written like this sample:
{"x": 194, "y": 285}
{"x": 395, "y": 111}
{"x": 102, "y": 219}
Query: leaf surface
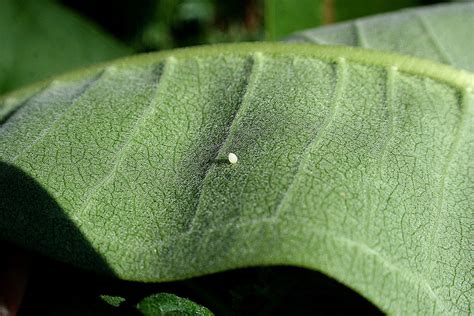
{"x": 41, "y": 38}
{"x": 283, "y": 17}
{"x": 442, "y": 33}
{"x": 352, "y": 162}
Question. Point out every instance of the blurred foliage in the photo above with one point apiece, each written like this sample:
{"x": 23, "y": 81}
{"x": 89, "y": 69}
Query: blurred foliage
{"x": 283, "y": 17}
{"x": 40, "y": 38}
{"x": 148, "y": 25}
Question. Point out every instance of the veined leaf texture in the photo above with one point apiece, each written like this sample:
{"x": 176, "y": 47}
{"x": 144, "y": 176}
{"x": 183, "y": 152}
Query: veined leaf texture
{"x": 442, "y": 33}
{"x": 352, "y": 162}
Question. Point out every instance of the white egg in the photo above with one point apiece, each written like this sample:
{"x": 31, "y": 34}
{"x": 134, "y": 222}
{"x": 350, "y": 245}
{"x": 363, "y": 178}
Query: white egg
{"x": 232, "y": 158}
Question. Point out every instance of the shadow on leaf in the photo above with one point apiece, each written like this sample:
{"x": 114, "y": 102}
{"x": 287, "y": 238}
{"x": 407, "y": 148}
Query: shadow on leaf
{"x": 31, "y": 219}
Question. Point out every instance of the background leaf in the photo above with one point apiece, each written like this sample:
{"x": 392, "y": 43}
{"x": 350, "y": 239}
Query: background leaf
{"x": 164, "y": 304}
{"x": 115, "y": 301}
{"x": 263, "y": 291}
{"x": 282, "y": 17}
{"x": 348, "y": 9}
{"x": 442, "y": 33}
{"x": 352, "y": 162}
{"x": 41, "y": 38}
{"x": 149, "y": 25}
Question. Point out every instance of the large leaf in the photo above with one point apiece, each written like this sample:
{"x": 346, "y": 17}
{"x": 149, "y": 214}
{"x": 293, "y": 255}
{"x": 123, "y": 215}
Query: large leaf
{"x": 41, "y": 38}
{"x": 442, "y": 33}
{"x": 352, "y": 162}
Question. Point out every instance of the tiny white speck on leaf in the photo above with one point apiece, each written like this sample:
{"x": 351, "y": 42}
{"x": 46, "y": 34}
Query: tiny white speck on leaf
{"x": 232, "y": 158}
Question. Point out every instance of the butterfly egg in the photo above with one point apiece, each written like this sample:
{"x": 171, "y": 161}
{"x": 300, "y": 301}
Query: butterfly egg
{"x": 232, "y": 158}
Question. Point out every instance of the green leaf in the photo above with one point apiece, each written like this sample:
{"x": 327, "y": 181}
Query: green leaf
{"x": 353, "y": 162}
{"x": 165, "y": 304}
{"x": 351, "y": 9}
{"x": 442, "y": 33}
{"x": 114, "y": 301}
{"x": 282, "y": 17}
{"x": 41, "y": 38}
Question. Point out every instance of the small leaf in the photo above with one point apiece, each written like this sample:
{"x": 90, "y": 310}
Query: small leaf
{"x": 353, "y": 162}
{"x": 112, "y": 300}
{"x": 442, "y": 33}
{"x": 165, "y": 304}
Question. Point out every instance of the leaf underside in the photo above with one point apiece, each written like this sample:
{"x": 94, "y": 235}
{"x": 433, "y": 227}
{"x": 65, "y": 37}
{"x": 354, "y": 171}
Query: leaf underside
{"x": 351, "y": 162}
{"x": 442, "y": 33}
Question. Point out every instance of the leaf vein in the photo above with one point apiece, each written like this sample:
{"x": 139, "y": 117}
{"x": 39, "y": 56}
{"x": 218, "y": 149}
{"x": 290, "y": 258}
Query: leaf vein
{"x": 360, "y": 37}
{"x": 318, "y": 137}
{"x": 120, "y": 154}
{"x": 51, "y": 127}
{"x": 255, "y": 64}
{"x": 389, "y": 96}
{"x": 312, "y": 39}
{"x": 462, "y": 100}
{"x": 404, "y": 273}
{"x": 431, "y": 35}
{"x": 17, "y": 107}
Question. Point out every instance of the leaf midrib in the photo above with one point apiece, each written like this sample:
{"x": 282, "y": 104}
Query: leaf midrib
{"x": 256, "y": 61}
